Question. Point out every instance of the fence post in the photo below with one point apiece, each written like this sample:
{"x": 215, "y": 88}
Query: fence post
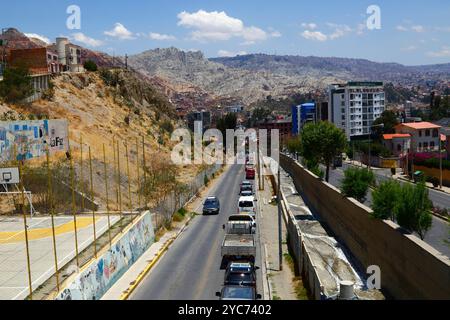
{"x": 118, "y": 187}
{"x": 130, "y": 204}
{"x": 138, "y": 176}
{"x": 92, "y": 199}
{"x": 81, "y": 173}
{"x": 24, "y": 214}
{"x": 107, "y": 196}
{"x": 115, "y": 171}
{"x": 74, "y": 209}
{"x": 52, "y": 214}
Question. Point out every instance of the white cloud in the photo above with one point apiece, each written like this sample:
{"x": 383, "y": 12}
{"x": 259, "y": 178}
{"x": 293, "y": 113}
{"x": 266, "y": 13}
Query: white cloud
{"x": 310, "y": 26}
{"x": 314, "y": 35}
{"x": 225, "y": 53}
{"x": 218, "y": 26}
{"x": 120, "y": 32}
{"x": 361, "y": 28}
{"x": 160, "y": 37}
{"x": 339, "y": 30}
{"x": 82, "y": 38}
{"x": 401, "y": 28}
{"x": 38, "y": 36}
{"x": 443, "y": 53}
{"x": 418, "y": 29}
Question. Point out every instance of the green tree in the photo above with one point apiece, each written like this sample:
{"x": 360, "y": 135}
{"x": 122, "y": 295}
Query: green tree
{"x": 227, "y": 122}
{"x": 356, "y": 183}
{"x": 413, "y": 209}
{"x": 16, "y": 85}
{"x": 389, "y": 119}
{"x": 90, "y": 66}
{"x": 385, "y": 198}
{"x": 294, "y": 145}
{"x": 322, "y": 142}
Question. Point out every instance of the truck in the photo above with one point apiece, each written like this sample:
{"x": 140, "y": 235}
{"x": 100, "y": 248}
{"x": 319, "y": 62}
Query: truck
{"x": 240, "y": 224}
{"x": 237, "y": 247}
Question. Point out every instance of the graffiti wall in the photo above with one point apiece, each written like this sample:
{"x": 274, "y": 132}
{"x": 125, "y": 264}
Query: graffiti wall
{"x": 32, "y": 138}
{"x": 93, "y": 282}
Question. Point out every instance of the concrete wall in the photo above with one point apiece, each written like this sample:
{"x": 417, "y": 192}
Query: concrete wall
{"x": 410, "y": 269}
{"x": 95, "y": 279}
{"x": 433, "y": 172}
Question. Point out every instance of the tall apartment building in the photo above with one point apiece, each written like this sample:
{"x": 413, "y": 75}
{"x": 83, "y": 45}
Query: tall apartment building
{"x": 354, "y": 106}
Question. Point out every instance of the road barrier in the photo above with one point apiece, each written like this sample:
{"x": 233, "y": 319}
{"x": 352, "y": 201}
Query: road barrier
{"x": 410, "y": 268}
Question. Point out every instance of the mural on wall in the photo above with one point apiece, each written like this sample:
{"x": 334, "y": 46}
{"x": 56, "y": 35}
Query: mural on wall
{"x": 93, "y": 282}
{"x": 32, "y": 138}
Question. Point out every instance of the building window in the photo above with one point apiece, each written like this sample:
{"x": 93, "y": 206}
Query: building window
{"x": 420, "y": 145}
{"x": 432, "y": 145}
{"x": 435, "y": 133}
{"x": 425, "y": 145}
{"x": 427, "y": 133}
{"x": 420, "y": 133}
{"x": 399, "y": 147}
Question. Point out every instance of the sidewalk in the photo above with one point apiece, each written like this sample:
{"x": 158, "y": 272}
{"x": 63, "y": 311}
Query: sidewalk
{"x": 283, "y": 284}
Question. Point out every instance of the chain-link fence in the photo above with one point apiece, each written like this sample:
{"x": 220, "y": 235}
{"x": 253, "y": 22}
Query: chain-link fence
{"x": 69, "y": 207}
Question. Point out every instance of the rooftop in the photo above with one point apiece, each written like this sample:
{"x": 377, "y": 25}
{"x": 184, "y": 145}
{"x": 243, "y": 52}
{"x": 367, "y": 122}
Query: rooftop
{"x": 420, "y": 125}
{"x": 395, "y": 136}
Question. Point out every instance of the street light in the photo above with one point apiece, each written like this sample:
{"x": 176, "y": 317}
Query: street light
{"x": 370, "y": 140}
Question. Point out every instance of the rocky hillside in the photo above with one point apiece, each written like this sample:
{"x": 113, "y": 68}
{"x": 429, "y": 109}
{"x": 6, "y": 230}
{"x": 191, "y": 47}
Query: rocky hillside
{"x": 342, "y": 68}
{"x": 107, "y": 105}
{"x": 256, "y": 76}
{"x": 192, "y": 68}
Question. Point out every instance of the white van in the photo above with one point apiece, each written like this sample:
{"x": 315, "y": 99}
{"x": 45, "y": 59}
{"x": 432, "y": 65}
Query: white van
{"x": 247, "y": 205}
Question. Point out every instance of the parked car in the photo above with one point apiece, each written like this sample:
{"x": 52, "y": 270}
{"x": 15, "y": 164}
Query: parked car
{"x": 246, "y": 193}
{"x": 211, "y": 206}
{"x": 238, "y": 293}
{"x": 240, "y": 274}
{"x": 250, "y": 172}
{"x": 247, "y": 205}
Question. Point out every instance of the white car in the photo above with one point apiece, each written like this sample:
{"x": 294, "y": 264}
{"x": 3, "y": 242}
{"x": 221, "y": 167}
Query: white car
{"x": 247, "y": 205}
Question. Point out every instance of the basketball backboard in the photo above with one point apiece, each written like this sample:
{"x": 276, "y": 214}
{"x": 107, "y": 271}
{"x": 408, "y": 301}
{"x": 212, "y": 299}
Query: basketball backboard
{"x": 9, "y": 176}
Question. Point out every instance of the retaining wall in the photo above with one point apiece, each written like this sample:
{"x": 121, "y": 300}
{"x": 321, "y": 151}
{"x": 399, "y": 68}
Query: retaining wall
{"x": 99, "y": 276}
{"x": 410, "y": 268}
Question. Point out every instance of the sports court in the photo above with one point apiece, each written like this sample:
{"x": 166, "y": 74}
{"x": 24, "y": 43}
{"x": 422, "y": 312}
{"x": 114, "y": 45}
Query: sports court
{"x": 13, "y": 262}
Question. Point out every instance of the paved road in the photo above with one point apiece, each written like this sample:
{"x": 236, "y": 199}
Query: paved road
{"x": 439, "y": 234}
{"x": 190, "y": 270}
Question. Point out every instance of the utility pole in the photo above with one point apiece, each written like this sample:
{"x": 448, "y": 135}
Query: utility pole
{"x": 126, "y": 61}
{"x": 440, "y": 162}
{"x": 280, "y": 237}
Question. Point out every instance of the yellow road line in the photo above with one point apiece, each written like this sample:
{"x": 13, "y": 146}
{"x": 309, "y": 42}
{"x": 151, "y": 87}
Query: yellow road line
{"x": 36, "y": 234}
{"x": 144, "y": 273}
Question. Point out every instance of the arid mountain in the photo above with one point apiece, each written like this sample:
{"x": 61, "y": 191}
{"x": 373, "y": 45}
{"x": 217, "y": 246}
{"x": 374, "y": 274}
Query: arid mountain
{"x": 254, "y": 77}
{"x": 192, "y": 68}
{"x": 342, "y": 68}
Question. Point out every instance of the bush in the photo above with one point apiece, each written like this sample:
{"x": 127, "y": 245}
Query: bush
{"x": 167, "y": 126}
{"x": 356, "y": 183}
{"x": 385, "y": 198}
{"x": 90, "y": 66}
{"x": 16, "y": 85}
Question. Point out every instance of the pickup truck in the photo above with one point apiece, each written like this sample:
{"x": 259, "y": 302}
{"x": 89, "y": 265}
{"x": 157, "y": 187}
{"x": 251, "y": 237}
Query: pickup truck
{"x": 239, "y": 247}
{"x": 240, "y": 224}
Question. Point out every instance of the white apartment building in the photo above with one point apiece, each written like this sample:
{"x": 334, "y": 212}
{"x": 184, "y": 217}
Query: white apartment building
{"x": 354, "y": 106}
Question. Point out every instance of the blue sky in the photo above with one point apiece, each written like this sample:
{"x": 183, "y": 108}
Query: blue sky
{"x": 412, "y": 32}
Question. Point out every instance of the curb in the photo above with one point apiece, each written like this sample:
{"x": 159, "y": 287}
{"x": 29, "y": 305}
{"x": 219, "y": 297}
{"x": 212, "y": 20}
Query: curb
{"x": 150, "y": 266}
